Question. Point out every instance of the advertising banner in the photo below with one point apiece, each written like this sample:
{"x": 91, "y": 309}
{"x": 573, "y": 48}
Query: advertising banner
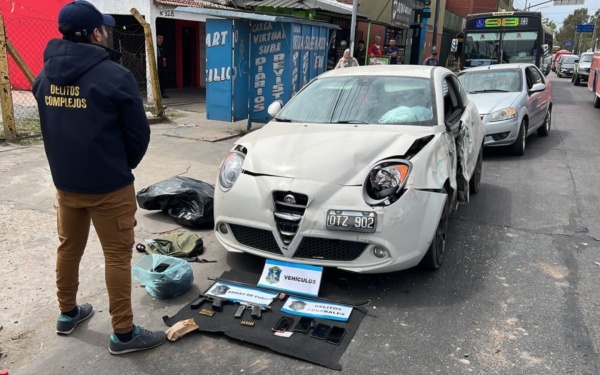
{"x": 250, "y": 64}
{"x": 241, "y": 62}
{"x": 219, "y": 70}
{"x": 270, "y": 68}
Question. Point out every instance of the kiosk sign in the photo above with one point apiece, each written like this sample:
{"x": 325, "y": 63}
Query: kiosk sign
{"x": 251, "y": 64}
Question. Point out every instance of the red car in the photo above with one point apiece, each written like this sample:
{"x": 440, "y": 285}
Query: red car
{"x": 557, "y": 55}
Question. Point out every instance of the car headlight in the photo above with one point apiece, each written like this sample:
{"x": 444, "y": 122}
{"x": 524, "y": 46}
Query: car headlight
{"x": 385, "y": 181}
{"x": 503, "y": 114}
{"x": 231, "y": 167}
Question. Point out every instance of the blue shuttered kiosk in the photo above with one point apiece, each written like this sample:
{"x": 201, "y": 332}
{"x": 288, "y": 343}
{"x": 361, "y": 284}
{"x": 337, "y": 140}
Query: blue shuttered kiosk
{"x": 254, "y": 59}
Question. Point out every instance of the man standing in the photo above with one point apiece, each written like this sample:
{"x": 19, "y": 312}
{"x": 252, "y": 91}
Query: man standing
{"x": 376, "y": 49}
{"x": 432, "y": 59}
{"x": 95, "y": 132}
{"x": 161, "y": 57}
{"x": 392, "y": 51}
{"x": 361, "y": 53}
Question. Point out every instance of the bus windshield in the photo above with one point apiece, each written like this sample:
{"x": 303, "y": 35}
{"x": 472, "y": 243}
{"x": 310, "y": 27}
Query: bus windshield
{"x": 485, "y": 48}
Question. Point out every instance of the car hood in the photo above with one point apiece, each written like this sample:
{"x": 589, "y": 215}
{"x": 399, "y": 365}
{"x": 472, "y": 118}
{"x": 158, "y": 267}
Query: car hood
{"x": 341, "y": 154}
{"x": 567, "y": 65}
{"x": 487, "y": 103}
{"x": 585, "y": 64}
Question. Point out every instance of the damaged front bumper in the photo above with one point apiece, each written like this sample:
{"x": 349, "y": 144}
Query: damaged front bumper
{"x": 402, "y": 236}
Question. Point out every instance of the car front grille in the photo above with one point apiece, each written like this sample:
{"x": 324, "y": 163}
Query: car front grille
{"x": 288, "y": 209}
{"x": 310, "y": 248}
{"x": 258, "y": 239}
{"x": 328, "y": 249}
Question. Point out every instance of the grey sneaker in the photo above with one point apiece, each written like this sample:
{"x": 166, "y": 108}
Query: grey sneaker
{"x": 142, "y": 339}
{"x": 65, "y": 324}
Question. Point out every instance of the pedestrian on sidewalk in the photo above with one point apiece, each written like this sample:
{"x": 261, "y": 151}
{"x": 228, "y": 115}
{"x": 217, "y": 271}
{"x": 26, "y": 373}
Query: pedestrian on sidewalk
{"x": 95, "y": 132}
{"x": 432, "y": 59}
{"x": 346, "y": 61}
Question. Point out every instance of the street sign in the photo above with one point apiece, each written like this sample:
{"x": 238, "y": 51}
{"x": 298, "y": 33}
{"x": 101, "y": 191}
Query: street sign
{"x": 568, "y": 42}
{"x": 568, "y": 2}
{"x": 585, "y": 28}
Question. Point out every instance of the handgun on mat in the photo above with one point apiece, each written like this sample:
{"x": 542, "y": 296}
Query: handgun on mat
{"x": 256, "y": 310}
{"x": 217, "y": 302}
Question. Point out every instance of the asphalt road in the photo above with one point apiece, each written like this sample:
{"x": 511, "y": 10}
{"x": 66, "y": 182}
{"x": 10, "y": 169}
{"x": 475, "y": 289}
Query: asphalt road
{"x": 517, "y": 294}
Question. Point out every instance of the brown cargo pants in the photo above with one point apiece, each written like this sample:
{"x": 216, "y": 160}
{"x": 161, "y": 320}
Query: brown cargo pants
{"x": 113, "y": 216}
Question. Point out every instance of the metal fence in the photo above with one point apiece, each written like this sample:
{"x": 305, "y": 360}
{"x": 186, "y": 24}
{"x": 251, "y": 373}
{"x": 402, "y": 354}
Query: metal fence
{"x": 130, "y": 42}
{"x": 29, "y": 36}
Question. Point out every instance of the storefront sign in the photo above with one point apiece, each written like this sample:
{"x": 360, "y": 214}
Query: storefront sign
{"x": 401, "y": 11}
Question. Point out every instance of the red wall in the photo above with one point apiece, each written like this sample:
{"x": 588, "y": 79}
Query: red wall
{"x": 30, "y": 24}
{"x": 464, "y": 7}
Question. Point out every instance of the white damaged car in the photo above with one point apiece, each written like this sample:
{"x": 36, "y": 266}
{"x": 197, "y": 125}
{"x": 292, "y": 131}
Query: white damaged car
{"x": 359, "y": 171}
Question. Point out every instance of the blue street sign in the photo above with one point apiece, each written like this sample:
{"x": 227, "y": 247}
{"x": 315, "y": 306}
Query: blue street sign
{"x": 585, "y": 28}
{"x": 568, "y": 42}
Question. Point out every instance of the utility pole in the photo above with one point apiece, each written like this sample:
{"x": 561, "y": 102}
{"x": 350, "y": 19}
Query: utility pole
{"x": 435, "y": 25}
{"x": 353, "y": 27}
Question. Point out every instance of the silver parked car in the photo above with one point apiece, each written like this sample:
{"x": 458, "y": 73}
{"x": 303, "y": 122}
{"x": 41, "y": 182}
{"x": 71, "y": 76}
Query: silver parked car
{"x": 566, "y": 65}
{"x": 582, "y": 68}
{"x": 514, "y": 100}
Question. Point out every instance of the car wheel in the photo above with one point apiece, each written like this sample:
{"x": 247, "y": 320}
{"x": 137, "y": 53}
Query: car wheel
{"x": 596, "y": 101}
{"x": 518, "y": 148}
{"x": 545, "y": 129}
{"x": 475, "y": 182}
{"x": 577, "y": 80}
{"x": 558, "y": 75}
{"x": 435, "y": 255}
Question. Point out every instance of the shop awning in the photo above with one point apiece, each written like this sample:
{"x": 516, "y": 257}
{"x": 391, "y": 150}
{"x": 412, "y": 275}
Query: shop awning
{"x": 233, "y": 14}
{"x": 193, "y": 4}
{"x": 326, "y": 5}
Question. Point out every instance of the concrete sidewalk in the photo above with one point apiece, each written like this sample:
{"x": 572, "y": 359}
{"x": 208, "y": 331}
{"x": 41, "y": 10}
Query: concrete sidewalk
{"x": 186, "y": 111}
{"x": 187, "y": 145}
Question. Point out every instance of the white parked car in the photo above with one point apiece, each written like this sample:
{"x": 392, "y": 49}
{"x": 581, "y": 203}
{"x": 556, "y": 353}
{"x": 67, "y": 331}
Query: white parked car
{"x": 359, "y": 171}
{"x": 514, "y": 100}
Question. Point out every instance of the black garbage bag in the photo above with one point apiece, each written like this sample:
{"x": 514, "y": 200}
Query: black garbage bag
{"x": 188, "y": 201}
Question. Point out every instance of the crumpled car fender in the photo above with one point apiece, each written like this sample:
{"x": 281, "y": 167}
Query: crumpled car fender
{"x": 431, "y": 169}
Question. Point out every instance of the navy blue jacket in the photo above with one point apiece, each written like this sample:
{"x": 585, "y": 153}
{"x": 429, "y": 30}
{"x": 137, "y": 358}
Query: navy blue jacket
{"x": 93, "y": 120}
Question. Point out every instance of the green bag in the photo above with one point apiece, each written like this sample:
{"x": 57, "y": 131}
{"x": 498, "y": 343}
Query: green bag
{"x": 181, "y": 245}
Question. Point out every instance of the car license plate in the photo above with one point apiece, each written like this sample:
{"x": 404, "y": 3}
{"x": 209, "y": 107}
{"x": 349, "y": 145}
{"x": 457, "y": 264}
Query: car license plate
{"x": 352, "y": 221}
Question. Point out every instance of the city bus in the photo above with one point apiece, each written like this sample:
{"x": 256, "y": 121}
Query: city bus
{"x": 504, "y": 37}
{"x": 594, "y": 78}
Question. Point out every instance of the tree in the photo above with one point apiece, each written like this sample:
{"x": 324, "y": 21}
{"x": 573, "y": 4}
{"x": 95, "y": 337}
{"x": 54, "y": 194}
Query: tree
{"x": 568, "y": 28}
{"x": 548, "y": 22}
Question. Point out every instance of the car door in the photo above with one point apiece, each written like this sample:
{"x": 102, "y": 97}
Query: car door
{"x": 546, "y": 95}
{"x": 535, "y": 102}
{"x": 459, "y": 118}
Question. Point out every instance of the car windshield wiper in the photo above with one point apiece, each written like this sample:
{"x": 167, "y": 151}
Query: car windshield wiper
{"x": 488, "y": 90}
{"x": 279, "y": 119}
{"x": 350, "y": 122}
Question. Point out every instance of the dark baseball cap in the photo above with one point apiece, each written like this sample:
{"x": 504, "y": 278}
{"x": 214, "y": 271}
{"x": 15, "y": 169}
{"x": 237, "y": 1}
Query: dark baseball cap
{"x": 82, "y": 17}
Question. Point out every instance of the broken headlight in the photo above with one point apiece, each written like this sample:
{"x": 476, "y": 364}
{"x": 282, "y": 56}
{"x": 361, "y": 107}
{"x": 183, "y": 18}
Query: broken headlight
{"x": 385, "y": 182}
{"x": 230, "y": 170}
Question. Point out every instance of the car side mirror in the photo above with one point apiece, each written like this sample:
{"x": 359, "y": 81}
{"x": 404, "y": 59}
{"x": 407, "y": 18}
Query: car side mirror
{"x": 537, "y": 87}
{"x": 274, "y": 108}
